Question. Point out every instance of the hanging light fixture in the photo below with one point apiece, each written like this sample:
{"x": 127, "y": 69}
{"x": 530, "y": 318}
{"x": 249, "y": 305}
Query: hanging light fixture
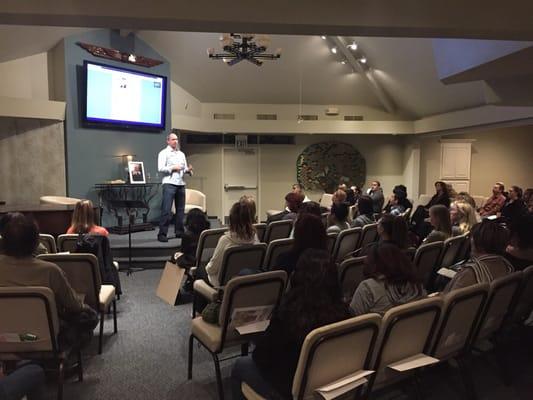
{"x": 239, "y": 47}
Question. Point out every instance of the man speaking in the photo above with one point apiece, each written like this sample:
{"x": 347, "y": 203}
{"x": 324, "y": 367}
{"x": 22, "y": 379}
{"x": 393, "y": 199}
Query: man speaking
{"x": 172, "y": 163}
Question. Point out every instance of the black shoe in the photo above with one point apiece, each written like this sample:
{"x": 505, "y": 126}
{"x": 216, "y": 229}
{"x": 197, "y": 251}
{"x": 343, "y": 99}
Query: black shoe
{"x": 179, "y": 235}
{"x": 162, "y": 238}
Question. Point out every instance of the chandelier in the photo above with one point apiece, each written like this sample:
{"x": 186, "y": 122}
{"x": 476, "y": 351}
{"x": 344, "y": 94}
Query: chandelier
{"x": 238, "y": 47}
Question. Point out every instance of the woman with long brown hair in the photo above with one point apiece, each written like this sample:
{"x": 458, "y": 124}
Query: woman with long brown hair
{"x": 83, "y": 220}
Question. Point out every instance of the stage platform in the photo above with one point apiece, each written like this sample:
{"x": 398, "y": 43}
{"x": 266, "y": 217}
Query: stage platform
{"x": 146, "y": 250}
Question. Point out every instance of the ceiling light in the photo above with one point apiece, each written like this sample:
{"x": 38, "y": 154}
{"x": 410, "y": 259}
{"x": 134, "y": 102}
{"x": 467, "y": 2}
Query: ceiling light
{"x": 363, "y": 60}
{"x": 352, "y": 46}
{"x": 343, "y": 62}
{"x": 334, "y": 50}
{"x": 323, "y": 37}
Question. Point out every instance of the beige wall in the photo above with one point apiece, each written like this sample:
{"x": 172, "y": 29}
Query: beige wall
{"x": 501, "y": 154}
{"x": 25, "y": 77}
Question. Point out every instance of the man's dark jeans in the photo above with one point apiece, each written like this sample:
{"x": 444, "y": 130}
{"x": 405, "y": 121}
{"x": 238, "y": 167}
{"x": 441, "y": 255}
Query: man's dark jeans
{"x": 176, "y": 194}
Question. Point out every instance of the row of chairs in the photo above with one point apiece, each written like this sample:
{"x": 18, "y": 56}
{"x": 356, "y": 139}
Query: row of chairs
{"x": 66, "y": 242}
{"x": 431, "y": 330}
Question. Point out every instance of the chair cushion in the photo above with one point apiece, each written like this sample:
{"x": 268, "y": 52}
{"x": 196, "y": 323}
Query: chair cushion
{"x": 249, "y": 393}
{"x": 107, "y": 295}
{"x": 209, "y": 334}
{"x": 202, "y": 288}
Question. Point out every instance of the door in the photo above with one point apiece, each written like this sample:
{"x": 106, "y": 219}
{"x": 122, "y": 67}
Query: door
{"x": 240, "y": 176}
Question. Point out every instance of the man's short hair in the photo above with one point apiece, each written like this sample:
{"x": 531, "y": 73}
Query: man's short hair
{"x": 490, "y": 237}
{"x": 501, "y": 186}
{"x": 173, "y": 133}
{"x": 378, "y": 182}
{"x": 20, "y": 235}
{"x": 297, "y": 186}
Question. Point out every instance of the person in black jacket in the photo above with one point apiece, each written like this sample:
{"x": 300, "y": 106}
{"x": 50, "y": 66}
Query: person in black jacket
{"x": 421, "y": 227}
{"x": 195, "y": 223}
{"x": 314, "y": 300}
{"x": 514, "y": 208}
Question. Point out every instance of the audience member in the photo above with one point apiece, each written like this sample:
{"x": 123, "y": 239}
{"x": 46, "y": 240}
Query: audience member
{"x": 366, "y": 212}
{"x": 338, "y": 218}
{"x": 4, "y": 219}
{"x": 463, "y": 218}
{"x": 314, "y": 300}
{"x": 419, "y": 225}
{"x": 195, "y": 223}
{"x": 19, "y": 268}
{"x": 83, "y": 220}
{"x": 391, "y": 281}
{"x": 520, "y": 249}
{"x": 241, "y": 231}
{"x": 466, "y": 198}
{"x": 376, "y": 194}
{"x": 356, "y": 192}
{"x": 393, "y": 206}
{"x": 338, "y": 197}
{"x": 528, "y": 200}
{"x": 439, "y": 218}
{"x": 26, "y": 382}
{"x": 494, "y": 203}
{"x": 293, "y": 204}
{"x": 391, "y": 229}
{"x": 297, "y": 188}
{"x": 401, "y": 194}
{"x": 309, "y": 233}
{"x": 310, "y": 207}
{"x": 514, "y": 208}
{"x": 350, "y": 194}
{"x": 488, "y": 242}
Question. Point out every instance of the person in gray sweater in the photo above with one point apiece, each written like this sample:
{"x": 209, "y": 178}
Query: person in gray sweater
{"x": 392, "y": 281}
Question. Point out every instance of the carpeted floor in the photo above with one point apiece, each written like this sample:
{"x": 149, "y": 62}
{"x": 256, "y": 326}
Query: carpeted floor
{"x": 147, "y": 359}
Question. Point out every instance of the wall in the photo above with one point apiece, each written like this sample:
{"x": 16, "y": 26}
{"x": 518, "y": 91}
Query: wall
{"x": 502, "y": 154}
{"x": 25, "y": 77}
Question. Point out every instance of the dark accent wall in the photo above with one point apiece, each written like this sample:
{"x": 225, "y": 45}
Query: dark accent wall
{"x": 91, "y": 154}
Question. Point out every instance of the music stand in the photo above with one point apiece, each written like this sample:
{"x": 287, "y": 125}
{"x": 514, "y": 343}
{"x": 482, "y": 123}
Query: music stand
{"x": 129, "y": 205}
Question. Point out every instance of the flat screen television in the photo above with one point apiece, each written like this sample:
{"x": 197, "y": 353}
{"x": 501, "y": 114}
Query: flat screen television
{"x": 123, "y": 98}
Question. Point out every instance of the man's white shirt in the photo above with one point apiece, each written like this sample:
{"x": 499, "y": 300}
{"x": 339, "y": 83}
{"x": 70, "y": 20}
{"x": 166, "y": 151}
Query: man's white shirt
{"x": 168, "y": 157}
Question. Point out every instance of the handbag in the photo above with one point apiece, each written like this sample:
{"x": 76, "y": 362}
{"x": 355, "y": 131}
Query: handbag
{"x": 211, "y": 312}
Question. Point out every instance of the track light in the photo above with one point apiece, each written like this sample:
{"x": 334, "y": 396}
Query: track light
{"x": 334, "y": 50}
{"x": 323, "y": 37}
{"x": 352, "y": 46}
{"x": 363, "y": 60}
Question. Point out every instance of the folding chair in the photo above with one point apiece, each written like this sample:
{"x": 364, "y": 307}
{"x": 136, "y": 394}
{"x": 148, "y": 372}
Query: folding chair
{"x": 260, "y": 230}
{"x": 278, "y": 230}
{"x": 207, "y": 242}
{"x": 274, "y": 250}
{"x": 369, "y": 234}
{"x": 351, "y": 275}
{"x": 345, "y": 243}
{"x": 426, "y": 262}
{"x": 48, "y": 241}
{"x": 67, "y": 242}
{"x": 451, "y": 249}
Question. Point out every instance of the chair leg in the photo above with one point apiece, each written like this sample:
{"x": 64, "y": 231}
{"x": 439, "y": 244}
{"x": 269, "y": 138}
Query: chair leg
{"x": 115, "y": 329}
{"x": 466, "y": 377}
{"x": 220, "y": 389}
{"x": 189, "y": 366}
{"x": 80, "y": 366}
{"x": 60, "y": 376}
{"x": 101, "y": 337}
{"x": 244, "y": 349}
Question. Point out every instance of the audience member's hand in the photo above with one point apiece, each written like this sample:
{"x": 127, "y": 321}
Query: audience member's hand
{"x": 176, "y": 167}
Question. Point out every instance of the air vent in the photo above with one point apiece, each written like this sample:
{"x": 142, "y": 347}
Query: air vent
{"x": 267, "y": 117}
{"x": 353, "y": 117}
{"x": 309, "y": 117}
{"x": 223, "y": 116}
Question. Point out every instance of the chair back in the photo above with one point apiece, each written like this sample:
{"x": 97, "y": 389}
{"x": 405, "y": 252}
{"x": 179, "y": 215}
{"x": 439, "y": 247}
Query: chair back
{"x": 67, "y": 242}
{"x": 331, "y": 238}
{"x": 406, "y": 331}
{"x": 464, "y": 251}
{"x": 195, "y": 199}
{"x": 333, "y": 352}
{"x": 207, "y": 242}
{"x": 451, "y": 248}
{"x": 369, "y": 234}
{"x": 524, "y": 300}
{"x": 460, "y": 315}
{"x": 274, "y": 249}
{"x": 352, "y": 213}
{"x": 29, "y": 309}
{"x": 260, "y": 229}
{"x": 351, "y": 275}
{"x": 346, "y": 242}
{"x": 501, "y": 295}
{"x": 406, "y": 214}
{"x": 237, "y": 258}
{"x": 257, "y": 290}
{"x": 278, "y": 230}
{"x": 324, "y": 218}
{"x": 82, "y": 272}
{"x": 48, "y": 241}
{"x": 427, "y": 259}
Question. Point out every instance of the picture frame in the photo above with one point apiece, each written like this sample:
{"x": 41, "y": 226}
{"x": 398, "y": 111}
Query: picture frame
{"x": 136, "y": 172}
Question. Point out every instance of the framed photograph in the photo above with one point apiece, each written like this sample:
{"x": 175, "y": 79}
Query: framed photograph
{"x": 136, "y": 170}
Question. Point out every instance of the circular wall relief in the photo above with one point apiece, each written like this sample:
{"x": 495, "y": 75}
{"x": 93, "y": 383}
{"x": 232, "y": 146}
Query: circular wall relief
{"x": 322, "y": 166}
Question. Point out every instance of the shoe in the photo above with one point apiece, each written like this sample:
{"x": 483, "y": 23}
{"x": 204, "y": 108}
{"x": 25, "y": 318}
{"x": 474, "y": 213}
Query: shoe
{"x": 179, "y": 235}
{"x": 162, "y": 238}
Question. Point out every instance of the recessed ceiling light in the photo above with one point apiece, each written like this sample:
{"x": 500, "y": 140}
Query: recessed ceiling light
{"x": 323, "y": 37}
{"x": 352, "y": 46}
{"x": 363, "y": 60}
{"x": 334, "y": 50}
{"x": 343, "y": 62}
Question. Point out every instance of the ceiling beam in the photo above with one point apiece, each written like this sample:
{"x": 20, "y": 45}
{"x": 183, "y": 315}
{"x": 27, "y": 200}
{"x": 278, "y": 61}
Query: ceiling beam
{"x": 489, "y": 19}
{"x": 366, "y": 73}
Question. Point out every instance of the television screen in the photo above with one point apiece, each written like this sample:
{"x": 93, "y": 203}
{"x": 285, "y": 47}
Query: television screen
{"x": 124, "y": 98}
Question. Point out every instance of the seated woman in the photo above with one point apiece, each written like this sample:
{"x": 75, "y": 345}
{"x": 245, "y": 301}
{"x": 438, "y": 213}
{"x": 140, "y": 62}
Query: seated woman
{"x": 83, "y": 220}
{"x": 439, "y": 218}
{"x": 400, "y": 199}
{"x": 338, "y": 218}
{"x": 488, "y": 243}
{"x": 366, "y": 212}
{"x": 394, "y": 206}
{"x": 241, "y": 231}
{"x": 419, "y": 226}
{"x": 195, "y": 223}
{"x": 463, "y": 218}
{"x": 514, "y": 208}
{"x": 314, "y": 300}
{"x": 309, "y": 233}
{"x": 391, "y": 281}
{"x": 520, "y": 249}
{"x": 391, "y": 229}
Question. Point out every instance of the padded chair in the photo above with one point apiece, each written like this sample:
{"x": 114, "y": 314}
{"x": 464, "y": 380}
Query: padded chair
{"x": 331, "y": 238}
{"x": 423, "y": 199}
{"x": 194, "y": 199}
{"x": 406, "y": 214}
{"x": 480, "y": 200}
{"x": 346, "y": 242}
{"x": 324, "y": 218}
{"x": 332, "y": 353}
{"x": 426, "y": 261}
{"x": 235, "y": 259}
{"x": 326, "y": 200}
{"x": 278, "y": 230}
{"x": 451, "y": 249}
{"x": 48, "y": 241}
{"x": 351, "y": 275}
{"x": 207, "y": 242}
{"x": 274, "y": 249}
{"x": 406, "y": 331}
{"x": 369, "y": 234}
{"x": 260, "y": 229}
{"x": 33, "y": 309}
{"x": 67, "y": 242}
{"x": 464, "y": 251}
{"x": 83, "y": 274}
{"x": 59, "y": 200}
{"x": 264, "y": 289}
{"x": 524, "y": 300}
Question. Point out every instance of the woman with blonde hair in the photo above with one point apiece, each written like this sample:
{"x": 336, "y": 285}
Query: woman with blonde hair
{"x": 439, "y": 218}
{"x": 463, "y": 217}
{"x": 83, "y": 220}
